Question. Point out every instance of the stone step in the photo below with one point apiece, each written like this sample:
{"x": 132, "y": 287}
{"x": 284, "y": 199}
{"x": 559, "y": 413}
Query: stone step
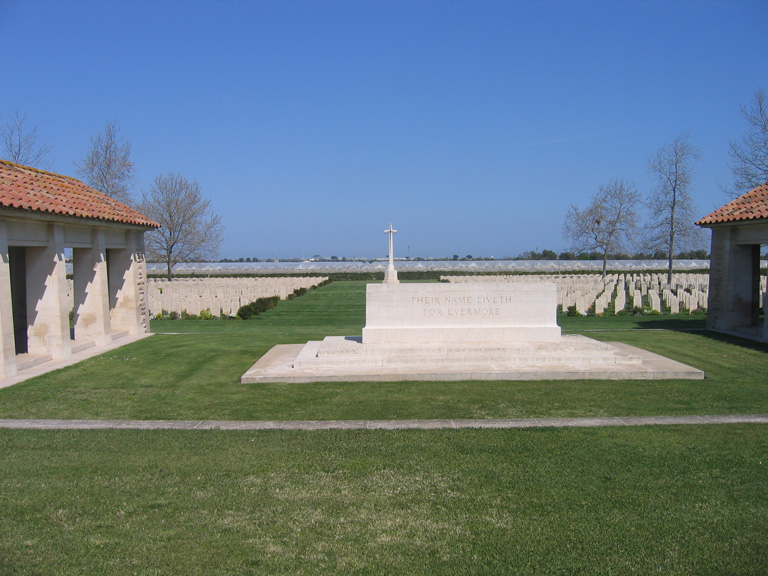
{"x": 380, "y": 361}
{"x": 339, "y": 352}
{"x": 492, "y": 351}
{"x": 532, "y": 360}
{"x": 25, "y": 361}
{"x": 574, "y": 345}
{"x": 78, "y": 345}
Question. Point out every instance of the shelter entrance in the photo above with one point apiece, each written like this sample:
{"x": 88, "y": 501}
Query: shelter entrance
{"x": 737, "y": 290}
{"x": 756, "y": 286}
{"x": 17, "y": 263}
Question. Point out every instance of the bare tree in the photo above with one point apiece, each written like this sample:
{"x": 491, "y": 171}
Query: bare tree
{"x": 749, "y": 157}
{"x": 107, "y": 166}
{"x": 672, "y": 211}
{"x": 189, "y": 229}
{"x": 20, "y": 142}
{"x": 609, "y": 222}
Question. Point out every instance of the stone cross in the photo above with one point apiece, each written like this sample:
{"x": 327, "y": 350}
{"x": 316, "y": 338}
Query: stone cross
{"x": 390, "y": 276}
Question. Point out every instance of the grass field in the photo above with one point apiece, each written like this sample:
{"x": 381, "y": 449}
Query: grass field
{"x": 646, "y": 500}
{"x": 194, "y": 374}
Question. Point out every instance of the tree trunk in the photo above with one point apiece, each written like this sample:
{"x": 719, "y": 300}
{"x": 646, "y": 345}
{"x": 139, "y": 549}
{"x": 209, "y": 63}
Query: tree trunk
{"x": 669, "y": 269}
{"x": 672, "y": 237}
{"x": 605, "y": 263}
{"x": 671, "y": 254}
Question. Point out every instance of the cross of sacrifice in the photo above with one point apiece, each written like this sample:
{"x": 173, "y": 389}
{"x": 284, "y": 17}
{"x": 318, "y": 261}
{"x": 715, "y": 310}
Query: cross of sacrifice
{"x": 391, "y": 254}
{"x": 390, "y": 276}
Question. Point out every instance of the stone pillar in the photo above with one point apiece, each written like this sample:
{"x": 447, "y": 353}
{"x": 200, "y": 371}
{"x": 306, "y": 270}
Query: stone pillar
{"x": 127, "y": 272}
{"x": 91, "y": 292}
{"x": 7, "y": 344}
{"x": 47, "y": 303}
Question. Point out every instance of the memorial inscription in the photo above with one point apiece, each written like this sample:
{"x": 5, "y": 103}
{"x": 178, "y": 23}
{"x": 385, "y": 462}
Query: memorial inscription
{"x": 487, "y": 312}
{"x": 450, "y": 306}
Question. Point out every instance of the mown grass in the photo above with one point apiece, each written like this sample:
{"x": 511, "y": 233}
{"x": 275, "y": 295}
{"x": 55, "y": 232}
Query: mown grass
{"x": 645, "y": 500}
{"x": 195, "y": 374}
{"x": 651, "y": 500}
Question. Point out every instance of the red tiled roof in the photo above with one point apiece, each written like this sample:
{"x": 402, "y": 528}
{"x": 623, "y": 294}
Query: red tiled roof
{"x": 31, "y": 189}
{"x": 750, "y": 206}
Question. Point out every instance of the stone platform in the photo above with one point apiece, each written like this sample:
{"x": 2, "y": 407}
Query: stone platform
{"x": 482, "y": 331}
{"x": 339, "y": 359}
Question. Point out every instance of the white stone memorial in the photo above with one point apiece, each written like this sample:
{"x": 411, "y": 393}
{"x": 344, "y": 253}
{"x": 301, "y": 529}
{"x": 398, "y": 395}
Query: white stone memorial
{"x": 421, "y": 313}
{"x": 468, "y": 331}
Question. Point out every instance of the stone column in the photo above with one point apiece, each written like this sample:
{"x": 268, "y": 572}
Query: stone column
{"x": 7, "y": 344}
{"x": 91, "y": 292}
{"x": 47, "y": 303}
{"x": 717, "y": 263}
{"x": 127, "y": 271}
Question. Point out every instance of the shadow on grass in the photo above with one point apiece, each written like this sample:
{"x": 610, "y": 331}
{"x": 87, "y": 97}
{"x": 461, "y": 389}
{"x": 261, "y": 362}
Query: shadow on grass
{"x": 699, "y": 324}
{"x": 673, "y": 323}
{"x": 744, "y": 343}
{"x": 696, "y": 324}
{"x": 639, "y": 322}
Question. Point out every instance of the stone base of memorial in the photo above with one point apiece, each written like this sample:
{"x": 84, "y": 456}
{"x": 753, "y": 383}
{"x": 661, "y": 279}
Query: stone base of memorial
{"x": 477, "y": 331}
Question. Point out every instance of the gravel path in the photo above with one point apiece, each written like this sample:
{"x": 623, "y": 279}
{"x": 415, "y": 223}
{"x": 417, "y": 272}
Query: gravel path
{"x": 34, "y": 424}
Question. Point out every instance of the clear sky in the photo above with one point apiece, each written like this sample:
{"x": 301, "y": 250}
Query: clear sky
{"x": 471, "y": 126}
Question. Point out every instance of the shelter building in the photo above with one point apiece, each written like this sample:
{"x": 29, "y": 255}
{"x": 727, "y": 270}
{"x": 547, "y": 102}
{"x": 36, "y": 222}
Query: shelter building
{"x": 739, "y": 229}
{"x": 45, "y": 218}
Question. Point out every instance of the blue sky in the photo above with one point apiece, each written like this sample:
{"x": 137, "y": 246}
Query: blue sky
{"x": 471, "y": 126}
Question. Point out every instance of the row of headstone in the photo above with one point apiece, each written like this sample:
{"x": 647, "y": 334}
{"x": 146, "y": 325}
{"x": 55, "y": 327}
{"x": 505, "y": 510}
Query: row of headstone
{"x": 219, "y": 295}
{"x": 589, "y": 293}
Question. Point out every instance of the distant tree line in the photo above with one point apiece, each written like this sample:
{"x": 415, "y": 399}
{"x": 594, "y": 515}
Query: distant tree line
{"x": 595, "y": 255}
{"x": 700, "y": 254}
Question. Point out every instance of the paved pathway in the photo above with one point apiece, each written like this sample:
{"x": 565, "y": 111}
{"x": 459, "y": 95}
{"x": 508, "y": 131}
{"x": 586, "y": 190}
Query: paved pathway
{"x": 32, "y": 424}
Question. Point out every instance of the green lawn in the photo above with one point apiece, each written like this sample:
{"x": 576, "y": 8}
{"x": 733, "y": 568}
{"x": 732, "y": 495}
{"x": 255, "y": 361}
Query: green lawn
{"x": 649, "y": 500}
{"x": 195, "y": 374}
{"x": 644, "y": 500}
